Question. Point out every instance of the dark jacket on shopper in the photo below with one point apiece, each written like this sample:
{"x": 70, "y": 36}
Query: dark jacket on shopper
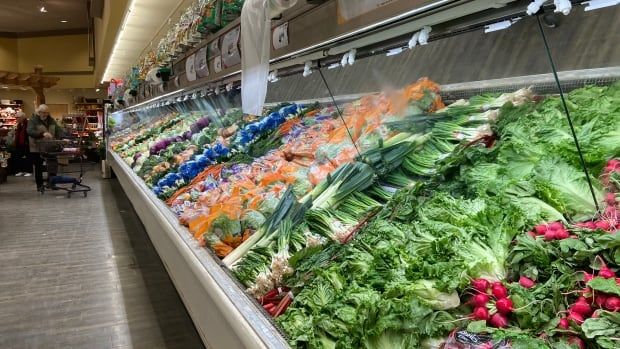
{"x": 37, "y": 127}
{"x": 21, "y": 135}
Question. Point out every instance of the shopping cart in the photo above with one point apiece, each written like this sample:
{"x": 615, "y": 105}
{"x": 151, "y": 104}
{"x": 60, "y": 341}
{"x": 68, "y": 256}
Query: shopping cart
{"x": 61, "y": 154}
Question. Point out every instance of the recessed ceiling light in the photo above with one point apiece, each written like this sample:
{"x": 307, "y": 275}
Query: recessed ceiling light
{"x": 64, "y": 21}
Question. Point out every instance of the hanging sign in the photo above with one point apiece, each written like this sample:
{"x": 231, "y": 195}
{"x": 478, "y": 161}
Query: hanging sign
{"x": 217, "y": 64}
{"x": 280, "y": 36}
{"x": 201, "y": 65}
{"x": 190, "y": 68}
{"x": 214, "y": 48}
{"x": 231, "y": 55}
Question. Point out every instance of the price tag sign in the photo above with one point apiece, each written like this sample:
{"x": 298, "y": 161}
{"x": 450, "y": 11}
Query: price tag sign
{"x": 201, "y": 64}
{"x": 280, "y": 36}
{"x": 217, "y": 64}
{"x": 231, "y": 55}
{"x": 214, "y": 48}
{"x": 190, "y": 68}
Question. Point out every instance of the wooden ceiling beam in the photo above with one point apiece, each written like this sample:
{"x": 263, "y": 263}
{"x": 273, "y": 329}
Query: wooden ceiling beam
{"x": 34, "y": 80}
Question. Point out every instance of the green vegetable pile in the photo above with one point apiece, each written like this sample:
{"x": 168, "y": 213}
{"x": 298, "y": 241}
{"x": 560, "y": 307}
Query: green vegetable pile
{"x": 491, "y": 189}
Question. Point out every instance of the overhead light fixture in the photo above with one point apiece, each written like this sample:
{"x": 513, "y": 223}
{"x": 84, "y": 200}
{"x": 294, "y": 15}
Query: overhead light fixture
{"x": 64, "y": 21}
{"x": 97, "y": 90}
{"x": 42, "y": 7}
{"x": 119, "y": 34}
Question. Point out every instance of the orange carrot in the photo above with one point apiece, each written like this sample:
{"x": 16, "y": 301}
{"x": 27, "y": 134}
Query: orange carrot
{"x": 338, "y": 135}
{"x": 286, "y": 127}
{"x": 221, "y": 249}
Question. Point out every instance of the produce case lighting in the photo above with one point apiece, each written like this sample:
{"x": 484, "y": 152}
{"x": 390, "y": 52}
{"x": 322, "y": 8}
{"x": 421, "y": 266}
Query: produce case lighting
{"x": 394, "y": 51}
{"x": 334, "y": 66}
{"x": 156, "y": 98}
{"x": 489, "y": 28}
{"x": 597, "y": 4}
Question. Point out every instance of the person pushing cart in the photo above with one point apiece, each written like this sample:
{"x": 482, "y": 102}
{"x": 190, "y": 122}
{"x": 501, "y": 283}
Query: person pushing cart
{"x": 42, "y": 127}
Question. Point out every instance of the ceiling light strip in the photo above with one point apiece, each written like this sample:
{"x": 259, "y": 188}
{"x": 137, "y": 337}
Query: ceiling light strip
{"x": 118, "y": 38}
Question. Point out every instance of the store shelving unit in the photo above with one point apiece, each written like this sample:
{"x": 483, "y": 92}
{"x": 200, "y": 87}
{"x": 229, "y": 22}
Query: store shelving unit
{"x": 225, "y": 316}
{"x": 7, "y": 113}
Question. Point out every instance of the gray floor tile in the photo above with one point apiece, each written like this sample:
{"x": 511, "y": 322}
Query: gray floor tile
{"x": 81, "y": 273}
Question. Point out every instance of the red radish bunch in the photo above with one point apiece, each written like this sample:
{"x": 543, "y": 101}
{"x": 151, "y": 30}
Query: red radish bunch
{"x": 480, "y": 300}
{"x": 576, "y": 341}
{"x": 504, "y": 306}
{"x": 481, "y": 285}
{"x": 590, "y": 302}
{"x": 480, "y": 313}
{"x": 606, "y": 273}
{"x": 606, "y": 301}
{"x": 552, "y": 231}
{"x": 613, "y": 166}
{"x": 612, "y": 303}
{"x": 491, "y": 303}
{"x": 564, "y": 324}
{"x": 498, "y": 320}
{"x": 526, "y": 282}
{"x": 498, "y": 290}
{"x": 609, "y": 221}
{"x": 581, "y": 307}
{"x": 577, "y": 313}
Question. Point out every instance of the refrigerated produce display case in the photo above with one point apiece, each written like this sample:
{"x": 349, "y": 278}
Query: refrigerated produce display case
{"x": 445, "y": 176}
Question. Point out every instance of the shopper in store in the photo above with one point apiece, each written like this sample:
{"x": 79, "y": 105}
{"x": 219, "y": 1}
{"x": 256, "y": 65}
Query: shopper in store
{"x": 21, "y": 154}
{"x": 42, "y": 128}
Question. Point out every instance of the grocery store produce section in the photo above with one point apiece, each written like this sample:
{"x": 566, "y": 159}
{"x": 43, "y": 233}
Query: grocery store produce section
{"x": 403, "y": 222}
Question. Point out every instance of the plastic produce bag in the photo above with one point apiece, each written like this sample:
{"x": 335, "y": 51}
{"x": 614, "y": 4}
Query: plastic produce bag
{"x": 462, "y": 339}
{"x": 255, "y": 47}
{"x": 210, "y": 17}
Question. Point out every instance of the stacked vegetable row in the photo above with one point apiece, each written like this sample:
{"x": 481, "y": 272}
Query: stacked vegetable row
{"x": 224, "y": 205}
{"x": 477, "y": 216}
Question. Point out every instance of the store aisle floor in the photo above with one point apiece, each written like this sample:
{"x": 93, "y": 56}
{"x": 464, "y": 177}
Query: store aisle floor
{"x": 82, "y": 273}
